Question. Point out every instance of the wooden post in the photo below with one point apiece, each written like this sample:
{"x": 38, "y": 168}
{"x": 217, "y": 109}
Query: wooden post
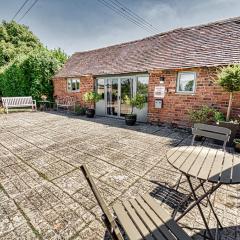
{"x": 229, "y": 106}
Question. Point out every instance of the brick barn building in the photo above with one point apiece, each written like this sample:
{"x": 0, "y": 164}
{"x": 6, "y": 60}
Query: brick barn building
{"x": 176, "y": 70}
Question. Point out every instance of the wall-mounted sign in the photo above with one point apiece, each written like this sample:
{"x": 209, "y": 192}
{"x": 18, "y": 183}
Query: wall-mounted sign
{"x": 159, "y": 92}
{"x": 158, "y": 103}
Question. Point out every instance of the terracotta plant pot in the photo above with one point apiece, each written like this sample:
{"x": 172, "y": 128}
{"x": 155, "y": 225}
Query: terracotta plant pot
{"x": 130, "y": 119}
{"x": 90, "y": 112}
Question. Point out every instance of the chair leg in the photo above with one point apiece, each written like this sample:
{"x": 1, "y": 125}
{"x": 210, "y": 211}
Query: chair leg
{"x": 111, "y": 223}
{"x": 178, "y": 182}
{"x": 193, "y": 140}
{"x": 224, "y": 146}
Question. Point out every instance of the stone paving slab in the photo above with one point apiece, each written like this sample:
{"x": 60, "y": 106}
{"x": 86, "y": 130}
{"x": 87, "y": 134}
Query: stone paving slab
{"x": 44, "y": 195}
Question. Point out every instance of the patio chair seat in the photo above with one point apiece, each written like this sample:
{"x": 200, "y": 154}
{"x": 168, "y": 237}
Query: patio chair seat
{"x": 144, "y": 218}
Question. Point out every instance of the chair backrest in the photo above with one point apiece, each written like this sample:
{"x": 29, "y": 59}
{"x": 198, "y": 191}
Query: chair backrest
{"x": 17, "y": 101}
{"x": 210, "y": 131}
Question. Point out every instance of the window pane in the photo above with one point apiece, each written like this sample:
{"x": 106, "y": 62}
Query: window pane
{"x": 142, "y": 85}
{"x": 69, "y": 85}
{"x": 78, "y": 84}
{"x": 73, "y": 85}
{"x": 186, "y": 82}
{"x": 100, "y": 87}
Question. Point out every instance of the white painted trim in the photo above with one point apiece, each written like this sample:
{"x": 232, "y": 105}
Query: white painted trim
{"x": 194, "y": 83}
{"x": 74, "y": 91}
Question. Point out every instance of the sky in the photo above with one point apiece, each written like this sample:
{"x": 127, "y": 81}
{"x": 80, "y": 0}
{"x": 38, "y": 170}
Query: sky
{"x": 81, "y": 25}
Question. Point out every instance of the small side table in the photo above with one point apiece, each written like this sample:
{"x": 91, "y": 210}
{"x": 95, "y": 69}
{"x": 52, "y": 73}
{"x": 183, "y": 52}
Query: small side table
{"x": 205, "y": 165}
{"x": 44, "y": 105}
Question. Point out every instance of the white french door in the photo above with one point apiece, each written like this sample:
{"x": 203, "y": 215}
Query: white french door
{"x": 114, "y": 92}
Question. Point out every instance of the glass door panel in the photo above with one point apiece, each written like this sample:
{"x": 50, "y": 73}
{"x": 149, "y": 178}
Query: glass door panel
{"x": 126, "y": 85}
{"x": 100, "y": 105}
{"x": 142, "y": 88}
{"x": 112, "y": 96}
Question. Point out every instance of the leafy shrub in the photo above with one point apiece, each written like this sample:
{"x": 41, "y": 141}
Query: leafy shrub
{"x": 206, "y": 115}
{"x": 91, "y": 98}
{"x": 30, "y": 75}
{"x": 80, "y": 110}
{"x": 2, "y": 110}
{"x": 137, "y": 101}
{"x": 229, "y": 79}
{"x": 219, "y": 116}
{"x": 237, "y": 140}
{"x": 26, "y": 67}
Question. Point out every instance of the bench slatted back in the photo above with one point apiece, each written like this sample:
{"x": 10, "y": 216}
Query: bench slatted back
{"x": 210, "y": 131}
{"x": 66, "y": 101}
{"x": 17, "y": 101}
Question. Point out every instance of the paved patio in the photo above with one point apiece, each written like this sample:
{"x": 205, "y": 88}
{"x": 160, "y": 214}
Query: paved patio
{"x": 44, "y": 195}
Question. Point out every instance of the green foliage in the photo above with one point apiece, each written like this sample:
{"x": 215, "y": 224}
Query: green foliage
{"x": 2, "y": 110}
{"x": 60, "y": 55}
{"x": 30, "y": 75}
{"x": 91, "y": 97}
{"x": 80, "y": 110}
{"x": 237, "y": 140}
{"x": 229, "y": 78}
{"x": 26, "y": 67}
{"x": 205, "y": 115}
{"x": 219, "y": 116}
{"x": 137, "y": 101}
{"x": 16, "y": 39}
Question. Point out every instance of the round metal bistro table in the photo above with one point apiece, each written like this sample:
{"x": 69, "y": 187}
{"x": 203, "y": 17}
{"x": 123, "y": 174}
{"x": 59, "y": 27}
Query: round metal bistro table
{"x": 206, "y": 165}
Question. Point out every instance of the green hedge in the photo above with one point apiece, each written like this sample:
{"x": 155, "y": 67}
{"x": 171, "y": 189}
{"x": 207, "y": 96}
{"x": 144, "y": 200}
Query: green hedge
{"x": 30, "y": 75}
{"x": 26, "y": 66}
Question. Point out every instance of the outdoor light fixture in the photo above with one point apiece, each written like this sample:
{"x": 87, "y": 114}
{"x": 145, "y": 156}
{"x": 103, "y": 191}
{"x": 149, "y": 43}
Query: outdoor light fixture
{"x": 162, "y": 79}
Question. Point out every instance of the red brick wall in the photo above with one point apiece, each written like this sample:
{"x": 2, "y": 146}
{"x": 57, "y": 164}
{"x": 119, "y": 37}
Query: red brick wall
{"x": 176, "y": 106}
{"x": 60, "y": 87}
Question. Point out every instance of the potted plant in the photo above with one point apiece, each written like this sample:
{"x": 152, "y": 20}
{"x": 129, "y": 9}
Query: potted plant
{"x": 229, "y": 79}
{"x": 2, "y": 110}
{"x": 91, "y": 98}
{"x": 206, "y": 115}
{"x": 80, "y": 111}
{"x": 237, "y": 145}
{"x": 138, "y": 102}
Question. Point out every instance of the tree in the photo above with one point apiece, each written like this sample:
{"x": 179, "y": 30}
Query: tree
{"x": 26, "y": 67}
{"x": 16, "y": 39}
{"x": 229, "y": 79}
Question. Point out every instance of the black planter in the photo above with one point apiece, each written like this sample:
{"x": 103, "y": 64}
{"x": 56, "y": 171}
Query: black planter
{"x": 233, "y": 127}
{"x": 90, "y": 113}
{"x": 237, "y": 147}
{"x": 130, "y": 119}
{"x": 198, "y": 138}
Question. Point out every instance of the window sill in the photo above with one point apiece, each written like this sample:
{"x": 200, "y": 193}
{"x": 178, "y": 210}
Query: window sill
{"x": 185, "y": 93}
{"x": 74, "y": 91}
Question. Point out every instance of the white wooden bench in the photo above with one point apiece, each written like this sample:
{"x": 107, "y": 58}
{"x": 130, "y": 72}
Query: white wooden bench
{"x": 66, "y": 102}
{"x": 15, "y": 102}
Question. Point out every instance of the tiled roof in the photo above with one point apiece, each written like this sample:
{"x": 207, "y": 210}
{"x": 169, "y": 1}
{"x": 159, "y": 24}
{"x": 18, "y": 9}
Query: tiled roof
{"x": 212, "y": 44}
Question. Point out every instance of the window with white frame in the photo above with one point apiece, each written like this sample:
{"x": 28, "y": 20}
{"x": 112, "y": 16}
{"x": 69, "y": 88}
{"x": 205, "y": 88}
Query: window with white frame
{"x": 186, "y": 82}
{"x": 73, "y": 84}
